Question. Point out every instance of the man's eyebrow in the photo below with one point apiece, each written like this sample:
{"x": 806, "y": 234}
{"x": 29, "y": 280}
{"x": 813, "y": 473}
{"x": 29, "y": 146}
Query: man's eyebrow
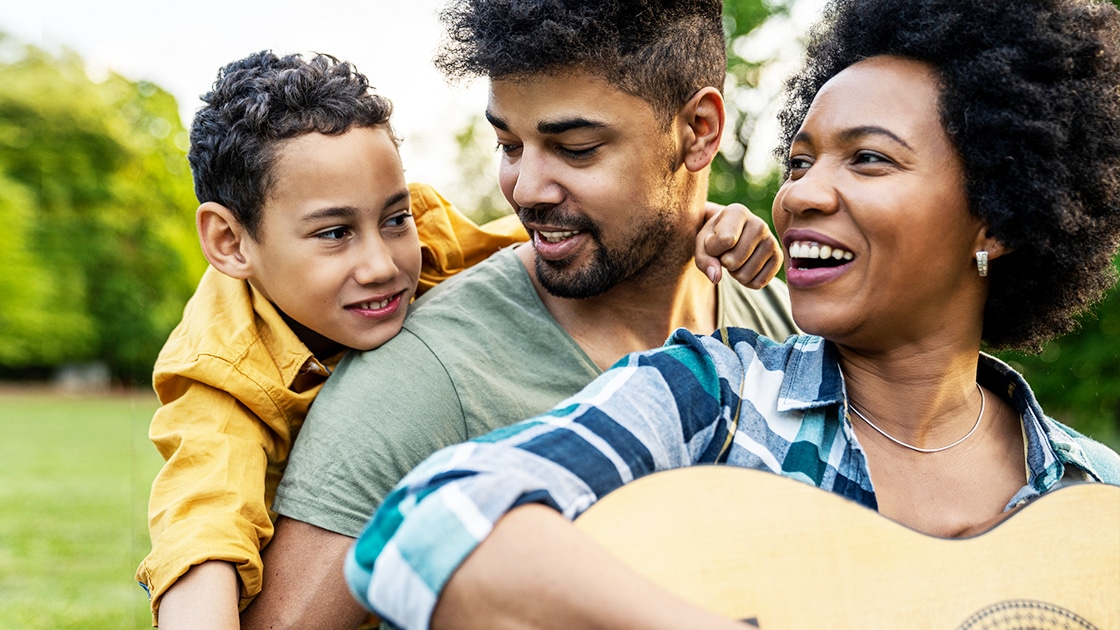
{"x": 560, "y": 126}
{"x": 550, "y": 127}
{"x": 496, "y": 122}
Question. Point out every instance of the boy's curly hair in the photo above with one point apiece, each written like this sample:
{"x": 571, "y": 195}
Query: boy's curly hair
{"x": 257, "y": 102}
{"x": 661, "y": 51}
{"x": 1030, "y": 97}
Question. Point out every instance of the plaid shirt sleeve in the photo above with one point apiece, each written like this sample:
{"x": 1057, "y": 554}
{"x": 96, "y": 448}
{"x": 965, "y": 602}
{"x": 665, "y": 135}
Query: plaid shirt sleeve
{"x": 656, "y": 410}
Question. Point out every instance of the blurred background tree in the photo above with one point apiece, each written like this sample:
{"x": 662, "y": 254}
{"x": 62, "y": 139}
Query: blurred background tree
{"x": 101, "y": 254}
{"x": 97, "y": 204}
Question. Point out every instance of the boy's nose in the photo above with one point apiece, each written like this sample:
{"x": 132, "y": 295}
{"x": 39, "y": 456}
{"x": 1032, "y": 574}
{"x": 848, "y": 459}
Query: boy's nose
{"x": 375, "y": 264}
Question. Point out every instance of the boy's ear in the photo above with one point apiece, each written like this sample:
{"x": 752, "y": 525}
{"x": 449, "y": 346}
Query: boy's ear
{"x": 223, "y": 240}
{"x": 703, "y": 118}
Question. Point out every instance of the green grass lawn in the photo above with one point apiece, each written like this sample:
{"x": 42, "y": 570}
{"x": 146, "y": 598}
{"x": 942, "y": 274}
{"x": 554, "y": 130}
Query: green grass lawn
{"x": 74, "y": 479}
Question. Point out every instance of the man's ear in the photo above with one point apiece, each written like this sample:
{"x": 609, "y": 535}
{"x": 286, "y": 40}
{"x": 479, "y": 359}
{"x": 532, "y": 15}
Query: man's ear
{"x": 223, "y": 240}
{"x": 703, "y": 118}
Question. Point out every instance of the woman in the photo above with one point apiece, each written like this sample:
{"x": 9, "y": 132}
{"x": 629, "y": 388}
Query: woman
{"x": 953, "y": 180}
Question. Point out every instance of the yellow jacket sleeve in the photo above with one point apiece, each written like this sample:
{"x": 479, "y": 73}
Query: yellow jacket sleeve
{"x": 449, "y": 241}
{"x": 235, "y": 384}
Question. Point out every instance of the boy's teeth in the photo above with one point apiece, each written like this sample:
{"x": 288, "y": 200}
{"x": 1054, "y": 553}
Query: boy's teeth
{"x": 555, "y": 237}
{"x": 372, "y": 305}
{"x": 812, "y": 250}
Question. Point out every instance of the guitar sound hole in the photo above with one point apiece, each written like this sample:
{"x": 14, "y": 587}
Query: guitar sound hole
{"x": 1026, "y": 614}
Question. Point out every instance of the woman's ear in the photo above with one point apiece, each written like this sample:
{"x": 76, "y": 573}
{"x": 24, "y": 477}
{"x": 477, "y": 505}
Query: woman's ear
{"x": 988, "y": 243}
{"x": 223, "y": 240}
{"x": 703, "y": 128}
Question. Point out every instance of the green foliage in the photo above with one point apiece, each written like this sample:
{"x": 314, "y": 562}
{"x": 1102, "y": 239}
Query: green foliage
{"x": 99, "y": 199}
{"x": 1077, "y": 377}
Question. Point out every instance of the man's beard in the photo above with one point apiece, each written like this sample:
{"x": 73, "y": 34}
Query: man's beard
{"x": 648, "y": 252}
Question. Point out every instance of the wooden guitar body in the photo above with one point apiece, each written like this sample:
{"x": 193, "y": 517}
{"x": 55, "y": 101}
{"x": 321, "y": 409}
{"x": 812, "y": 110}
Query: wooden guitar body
{"x": 782, "y": 554}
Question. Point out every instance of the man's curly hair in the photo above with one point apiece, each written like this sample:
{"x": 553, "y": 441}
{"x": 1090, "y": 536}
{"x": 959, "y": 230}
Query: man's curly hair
{"x": 661, "y": 51}
{"x": 1030, "y": 97}
{"x": 261, "y": 100}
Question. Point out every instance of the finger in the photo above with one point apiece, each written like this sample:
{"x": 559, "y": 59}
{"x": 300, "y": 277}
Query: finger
{"x": 760, "y": 268}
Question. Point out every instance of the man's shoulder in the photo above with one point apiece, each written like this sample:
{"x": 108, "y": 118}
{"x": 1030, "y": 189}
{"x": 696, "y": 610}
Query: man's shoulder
{"x": 493, "y": 296}
{"x": 765, "y": 310}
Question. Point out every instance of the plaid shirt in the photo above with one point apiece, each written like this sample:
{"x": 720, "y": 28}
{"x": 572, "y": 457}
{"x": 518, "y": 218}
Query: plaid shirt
{"x": 667, "y": 408}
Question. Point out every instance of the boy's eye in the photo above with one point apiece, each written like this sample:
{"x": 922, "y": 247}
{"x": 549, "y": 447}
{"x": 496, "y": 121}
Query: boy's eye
{"x": 508, "y": 148}
{"x": 333, "y": 234}
{"x": 398, "y": 220}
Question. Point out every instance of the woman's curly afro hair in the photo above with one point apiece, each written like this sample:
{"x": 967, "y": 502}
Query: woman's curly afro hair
{"x": 1030, "y": 97}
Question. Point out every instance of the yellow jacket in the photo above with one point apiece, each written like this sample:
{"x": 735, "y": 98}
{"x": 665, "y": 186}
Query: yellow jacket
{"x": 235, "y": 384}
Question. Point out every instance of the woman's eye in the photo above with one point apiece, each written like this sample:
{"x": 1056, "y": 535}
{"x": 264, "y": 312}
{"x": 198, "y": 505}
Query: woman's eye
{"x": 798, "y": 163}
{"x": 870, "y": 157}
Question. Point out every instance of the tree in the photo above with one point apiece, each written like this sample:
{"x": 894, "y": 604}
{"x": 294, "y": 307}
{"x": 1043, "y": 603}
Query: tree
{"x": 102, "y": 253}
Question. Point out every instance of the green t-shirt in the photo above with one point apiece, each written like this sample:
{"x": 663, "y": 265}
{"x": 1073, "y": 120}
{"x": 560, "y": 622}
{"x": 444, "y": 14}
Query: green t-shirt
{"x": 478, "y": 352}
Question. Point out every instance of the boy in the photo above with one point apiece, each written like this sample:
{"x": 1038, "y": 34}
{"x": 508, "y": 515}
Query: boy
{"x": 316, "y": 246}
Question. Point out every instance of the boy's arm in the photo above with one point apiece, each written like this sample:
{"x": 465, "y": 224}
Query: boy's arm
{"x": 734, "y": 238}
{"x": 208, "y": 500}
{"x": 204, "y": 597}
{"x": 304, "y": 582}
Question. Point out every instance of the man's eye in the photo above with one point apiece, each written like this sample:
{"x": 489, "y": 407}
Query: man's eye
{"x": 578, "y": 154}
{"x": 508, "y": 148}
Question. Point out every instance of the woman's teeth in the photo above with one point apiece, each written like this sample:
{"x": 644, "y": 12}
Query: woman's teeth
{"x": 815, "y": 251}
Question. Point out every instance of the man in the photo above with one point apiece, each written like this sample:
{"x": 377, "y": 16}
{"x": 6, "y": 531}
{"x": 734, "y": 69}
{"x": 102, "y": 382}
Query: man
{"x": 608, "y": 115}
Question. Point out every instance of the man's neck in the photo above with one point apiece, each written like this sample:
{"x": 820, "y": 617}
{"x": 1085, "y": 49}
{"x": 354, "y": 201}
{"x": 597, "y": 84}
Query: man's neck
{"x": 631, "y": 316}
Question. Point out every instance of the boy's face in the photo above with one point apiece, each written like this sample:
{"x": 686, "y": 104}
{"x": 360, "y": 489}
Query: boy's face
{"x": 596, "y": 179}
{"x": 337, "y": 250}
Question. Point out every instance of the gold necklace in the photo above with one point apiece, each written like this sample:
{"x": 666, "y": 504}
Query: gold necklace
{"x": 911, "y": 446}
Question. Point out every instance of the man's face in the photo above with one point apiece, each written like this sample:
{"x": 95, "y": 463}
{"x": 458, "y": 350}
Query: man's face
{"x": 596, "y": 180}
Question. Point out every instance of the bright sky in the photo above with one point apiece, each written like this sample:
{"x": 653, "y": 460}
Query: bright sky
{"x": 181, "y": 45}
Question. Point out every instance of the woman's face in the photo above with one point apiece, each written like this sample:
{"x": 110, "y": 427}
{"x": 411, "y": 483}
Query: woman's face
{"x": 874, "y": 216}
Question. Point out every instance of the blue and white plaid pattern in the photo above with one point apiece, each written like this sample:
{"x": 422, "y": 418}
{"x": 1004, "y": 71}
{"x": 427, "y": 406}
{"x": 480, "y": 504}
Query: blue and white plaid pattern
{"x": 657, "y": 410}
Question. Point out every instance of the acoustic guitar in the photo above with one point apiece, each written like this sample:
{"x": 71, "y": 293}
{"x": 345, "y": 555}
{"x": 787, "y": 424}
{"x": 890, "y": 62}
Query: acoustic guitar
{"x": 780, "y": 554}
